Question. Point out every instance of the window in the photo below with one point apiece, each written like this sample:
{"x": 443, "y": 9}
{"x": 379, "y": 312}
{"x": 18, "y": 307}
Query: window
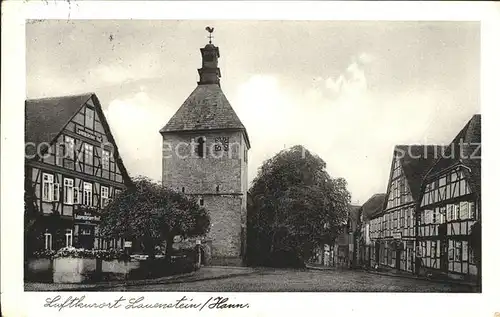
{"x": 245, "y": 155}
{"x": 104, "y": 196}
{"x": 48, "y": 187}
{"x": 456, "y": 211}
{"x": 201, "y": 147}
{"x": 69, "y": 237}
{"x": 472, "y": 210}
{"x": 465, "y": 251}
{"x": 86, "y": 232}
{"x": 105, "y": 159}
{"x": 201, "y": 202}
{"x": 433, "y": 249}
{"x": 69, "y": 146}
{"x": 48, "y": 241}
{"x": 458, "y": 251}
{"x": 183, "y": 189}
{"x": 87, "y": 194}
{"x": 89, "y": 118}
{"x": 449, "y": 212}
{"x": 59, "y": 154}
{"x": 68, "y": 191}
{"x": 89, "y": 154}
{"x": 217, "y": 188}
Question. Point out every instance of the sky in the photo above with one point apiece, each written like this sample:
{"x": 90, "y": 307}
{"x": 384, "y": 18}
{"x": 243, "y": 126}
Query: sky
{"x": 348, "y": 91}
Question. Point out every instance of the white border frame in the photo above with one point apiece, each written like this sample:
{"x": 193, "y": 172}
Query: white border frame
{"x": 17, "y": 303}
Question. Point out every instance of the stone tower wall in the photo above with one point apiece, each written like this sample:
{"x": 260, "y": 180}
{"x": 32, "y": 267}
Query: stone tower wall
{"x": 183, "y": 168}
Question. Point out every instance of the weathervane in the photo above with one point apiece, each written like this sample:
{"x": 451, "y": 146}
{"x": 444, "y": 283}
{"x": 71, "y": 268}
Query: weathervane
{"x": 210, "y": 36}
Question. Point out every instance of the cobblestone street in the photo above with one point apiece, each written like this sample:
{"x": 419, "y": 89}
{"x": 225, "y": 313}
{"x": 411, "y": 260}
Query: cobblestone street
{"x": 281, "y": 280}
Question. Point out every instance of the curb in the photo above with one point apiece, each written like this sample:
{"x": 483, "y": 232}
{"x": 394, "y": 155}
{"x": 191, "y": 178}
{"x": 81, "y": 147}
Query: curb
{"x": 168, "y": 282}
{"x": 173, "y": 280}
{"x": 472, "y": 286}
{"x": 421, "y": 278}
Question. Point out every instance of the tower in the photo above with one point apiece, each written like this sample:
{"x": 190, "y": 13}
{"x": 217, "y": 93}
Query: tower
{"x": 205, "y": 155}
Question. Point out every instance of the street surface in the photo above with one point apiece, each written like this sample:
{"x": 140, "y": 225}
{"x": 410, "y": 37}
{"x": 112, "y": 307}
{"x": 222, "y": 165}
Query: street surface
{"x": 288, "y": 280}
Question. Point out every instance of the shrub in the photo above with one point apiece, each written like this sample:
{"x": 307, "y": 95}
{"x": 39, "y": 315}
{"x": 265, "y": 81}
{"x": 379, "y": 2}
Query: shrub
{"x": 43, "y": 254}
{"x": 108, "y": 255}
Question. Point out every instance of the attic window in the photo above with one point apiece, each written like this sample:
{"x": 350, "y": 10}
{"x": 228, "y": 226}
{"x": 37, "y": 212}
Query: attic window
{"x": 89, "y": 118}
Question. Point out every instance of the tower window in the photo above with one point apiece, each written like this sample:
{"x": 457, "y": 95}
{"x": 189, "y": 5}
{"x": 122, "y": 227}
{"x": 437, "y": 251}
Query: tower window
{"x": 201, "y": 147}
{"x": 217, "y": 188}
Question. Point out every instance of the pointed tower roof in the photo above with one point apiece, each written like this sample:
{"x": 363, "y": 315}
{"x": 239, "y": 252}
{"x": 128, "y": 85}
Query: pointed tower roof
{"x": 206, "y": 108}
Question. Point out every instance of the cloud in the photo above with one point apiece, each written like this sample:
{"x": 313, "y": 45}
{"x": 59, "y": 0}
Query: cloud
{"x": 339, "y": 118}
{"x": 135, "y": 122}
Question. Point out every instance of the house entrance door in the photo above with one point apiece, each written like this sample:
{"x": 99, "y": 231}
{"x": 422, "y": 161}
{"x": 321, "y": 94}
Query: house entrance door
{"x": 86, "y": 236}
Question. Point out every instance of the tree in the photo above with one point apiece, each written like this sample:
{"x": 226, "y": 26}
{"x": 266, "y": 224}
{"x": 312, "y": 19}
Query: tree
{"x": 294, "y": 207}
{"x": 153, "y": 215}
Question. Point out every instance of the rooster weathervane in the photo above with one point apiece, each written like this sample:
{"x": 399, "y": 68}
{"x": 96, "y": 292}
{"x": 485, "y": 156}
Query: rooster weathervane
{"x": 210, "y": 36}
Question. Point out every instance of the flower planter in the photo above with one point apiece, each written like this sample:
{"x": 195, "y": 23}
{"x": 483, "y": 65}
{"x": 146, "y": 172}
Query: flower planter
{"x": 118, "y": 269}
{"x": 73, "y": 270}
{"x": 39, "y": 270}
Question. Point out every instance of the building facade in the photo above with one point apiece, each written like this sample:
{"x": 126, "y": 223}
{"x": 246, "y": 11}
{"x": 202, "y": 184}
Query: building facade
{"x": 450, "y": 205}
{"x": 72, "y": 169}
{"x": 393, "y": 230}
{"x": 369, "y": 234}
{"x": 205, "y": 155}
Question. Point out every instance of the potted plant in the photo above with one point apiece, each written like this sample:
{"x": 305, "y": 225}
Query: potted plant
{"x": 116, "y": 264}
{"x": 73, "y": 265}
{"x": 39, "y": 266}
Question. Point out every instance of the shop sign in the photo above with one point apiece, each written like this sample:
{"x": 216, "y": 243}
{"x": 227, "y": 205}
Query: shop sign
{"x": 397, "y": 235}
{"x": 86, "y": 216}
{"x": 128, "y": 244}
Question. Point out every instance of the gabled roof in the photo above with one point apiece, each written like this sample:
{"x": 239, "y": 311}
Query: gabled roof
{"x": 465, "y": 149}
{"x": 207, "y": 108}
{"x": 373, "y": 206}
{"x": 45, "y": 118}
{"x": 416, "y": 160}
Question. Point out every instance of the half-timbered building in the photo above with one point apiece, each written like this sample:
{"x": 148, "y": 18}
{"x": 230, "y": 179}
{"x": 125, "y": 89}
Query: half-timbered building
{"x": 369, "y": 232}
{"x": 450, "y": 204}
{"x": 72, "y": 169}
{"x": 392, "y": 228}
{"x": 408, "y": 168}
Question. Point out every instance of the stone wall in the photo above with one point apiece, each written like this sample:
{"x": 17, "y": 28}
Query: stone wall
{"x": 218, "y": 181}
